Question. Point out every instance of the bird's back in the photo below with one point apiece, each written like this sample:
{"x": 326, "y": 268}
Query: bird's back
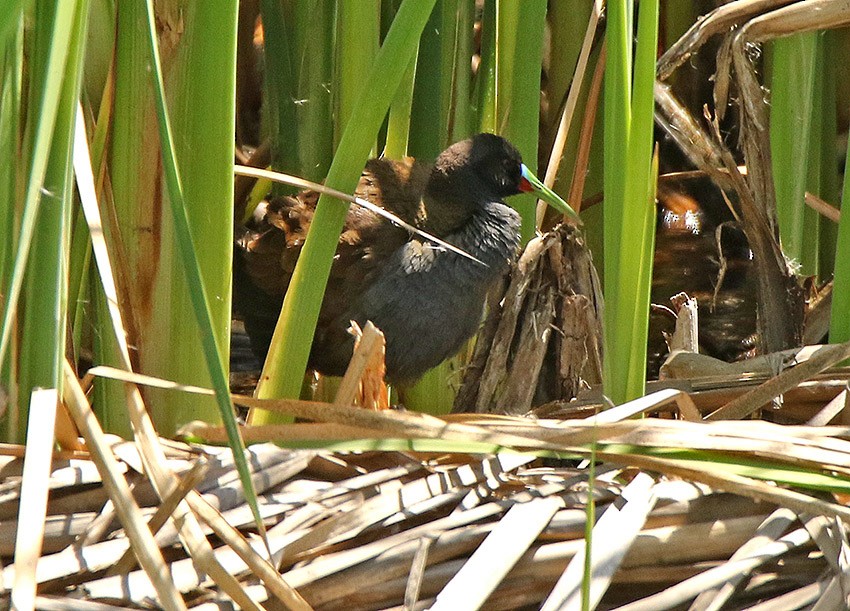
{"x": 267, "y": 250}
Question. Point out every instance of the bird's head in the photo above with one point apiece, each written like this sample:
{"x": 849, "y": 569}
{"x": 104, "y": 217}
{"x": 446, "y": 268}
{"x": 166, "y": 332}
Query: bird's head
{"x": 485, "y": 168}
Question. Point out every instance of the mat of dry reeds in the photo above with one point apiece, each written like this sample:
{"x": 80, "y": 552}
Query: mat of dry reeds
{"x": 461, "y": 512}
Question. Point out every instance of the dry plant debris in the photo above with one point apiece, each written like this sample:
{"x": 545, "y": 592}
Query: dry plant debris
{"x": 705, "y": 514}
{"x": 542, "y": 340}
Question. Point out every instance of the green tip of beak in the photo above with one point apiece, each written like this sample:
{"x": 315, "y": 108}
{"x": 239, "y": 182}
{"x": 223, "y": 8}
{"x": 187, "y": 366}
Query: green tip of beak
{"x": 548, "y": 194}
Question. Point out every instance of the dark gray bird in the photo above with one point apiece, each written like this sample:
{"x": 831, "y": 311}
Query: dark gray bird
{"x": 427, "y": 300}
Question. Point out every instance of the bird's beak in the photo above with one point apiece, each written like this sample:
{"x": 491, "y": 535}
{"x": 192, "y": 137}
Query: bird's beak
{"x": 530, "y": 182}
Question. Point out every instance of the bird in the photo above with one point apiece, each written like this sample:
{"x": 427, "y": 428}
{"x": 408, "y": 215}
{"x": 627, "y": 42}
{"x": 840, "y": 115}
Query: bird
{"x": 427, "y": 300}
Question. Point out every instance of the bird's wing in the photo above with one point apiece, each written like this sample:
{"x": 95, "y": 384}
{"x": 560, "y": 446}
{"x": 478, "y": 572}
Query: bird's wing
{"x": 269, "y": 249}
